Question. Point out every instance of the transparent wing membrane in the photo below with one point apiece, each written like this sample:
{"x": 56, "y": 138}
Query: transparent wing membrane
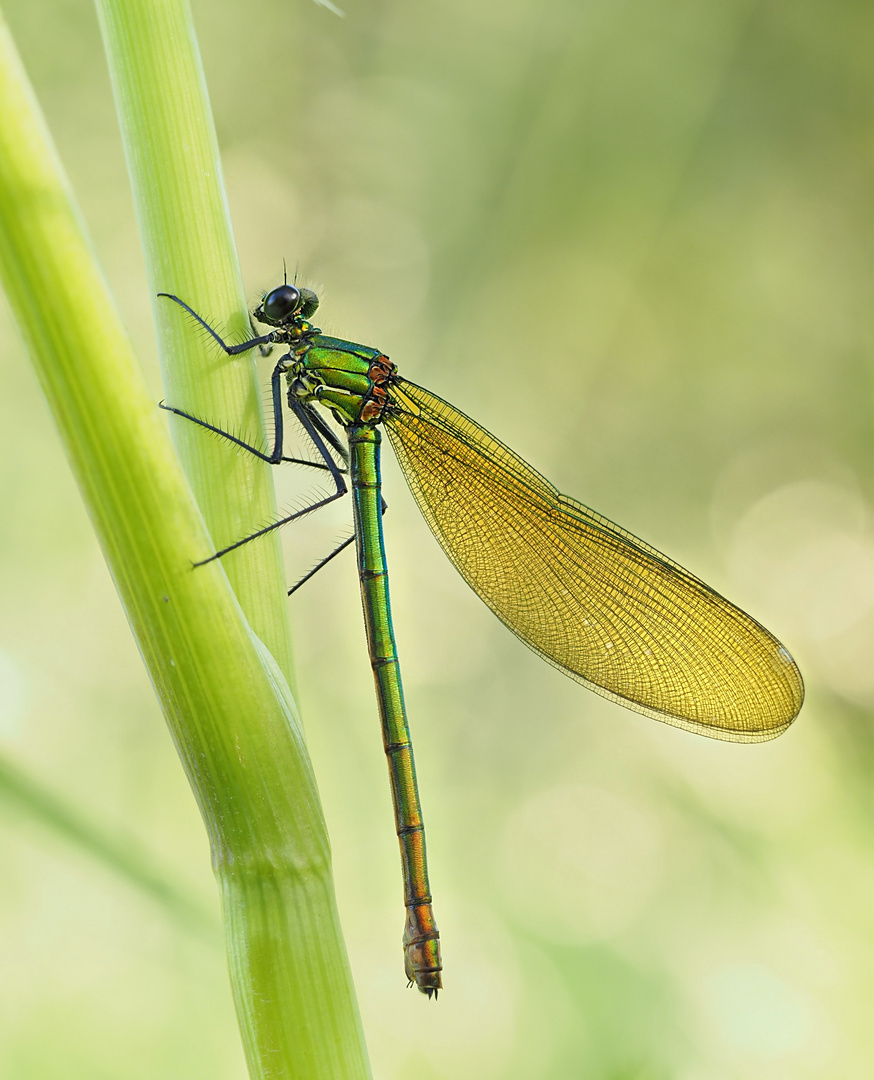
{"x": 601, "y": 605}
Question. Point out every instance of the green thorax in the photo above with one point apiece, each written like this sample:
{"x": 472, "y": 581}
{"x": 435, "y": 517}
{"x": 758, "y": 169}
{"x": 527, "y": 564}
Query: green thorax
{"x": 346, "y": 378}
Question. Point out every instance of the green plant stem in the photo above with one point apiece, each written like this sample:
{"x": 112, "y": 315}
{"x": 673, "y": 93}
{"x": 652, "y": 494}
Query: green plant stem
{"x": 176, "y": 176}
{"x": 226, "y": 699}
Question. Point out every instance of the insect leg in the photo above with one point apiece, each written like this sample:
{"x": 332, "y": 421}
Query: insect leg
{"x": 231, "y": 350}
{"x": 276, "y": 455}
{"x": 327, "y": 558}
{"x": 265, "y": 350}
{"x": 305, "y": 417}
{"x": 319, "y": 565}
{"x": 327, "y": 434}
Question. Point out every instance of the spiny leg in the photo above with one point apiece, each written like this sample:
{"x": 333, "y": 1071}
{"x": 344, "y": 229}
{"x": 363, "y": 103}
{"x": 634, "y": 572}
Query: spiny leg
{"x": 329, "y": 436}
{"x": 231, "y": 350}
{"x": 269, "y": 458}
{"x": 315, "y": 427}
{"x": 306, "y": 417}
{"x": 275, "y": 456}
{"x": 324, "y": 562}
{"x": 265, "y": 350}
{"x": 327, "y": 558}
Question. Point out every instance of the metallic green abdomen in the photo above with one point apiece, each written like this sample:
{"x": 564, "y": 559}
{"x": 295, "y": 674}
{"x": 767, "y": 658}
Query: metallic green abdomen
{"x": 421, "y": 938}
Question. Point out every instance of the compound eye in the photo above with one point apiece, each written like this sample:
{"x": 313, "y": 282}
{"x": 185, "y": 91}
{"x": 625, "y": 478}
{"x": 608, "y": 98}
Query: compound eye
{"x": 308, "y": 303}
{"x": 281, "y": 303}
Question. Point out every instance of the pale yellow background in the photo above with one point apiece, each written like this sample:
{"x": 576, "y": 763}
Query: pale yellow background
{"x": 634, "y": 240}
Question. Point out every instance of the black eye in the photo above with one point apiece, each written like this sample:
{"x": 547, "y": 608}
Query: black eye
{"x": 281, "y": 303}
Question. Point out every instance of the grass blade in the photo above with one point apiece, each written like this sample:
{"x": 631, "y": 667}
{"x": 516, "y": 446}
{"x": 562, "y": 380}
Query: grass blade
{"x": 226, "y": 698}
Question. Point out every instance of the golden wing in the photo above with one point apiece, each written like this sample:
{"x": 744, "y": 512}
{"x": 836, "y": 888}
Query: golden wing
{"x": 601, "y": 605}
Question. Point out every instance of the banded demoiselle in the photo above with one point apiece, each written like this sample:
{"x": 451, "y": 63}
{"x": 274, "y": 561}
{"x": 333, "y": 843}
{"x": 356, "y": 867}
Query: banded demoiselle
{"x": 596, "y": 602}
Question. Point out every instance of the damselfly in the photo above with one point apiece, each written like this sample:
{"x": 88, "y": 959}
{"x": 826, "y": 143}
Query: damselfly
{"x": 590, "y": 598}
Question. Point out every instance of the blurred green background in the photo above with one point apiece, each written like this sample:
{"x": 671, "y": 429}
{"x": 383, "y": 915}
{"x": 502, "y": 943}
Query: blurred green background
{"x": 633, "y": 240}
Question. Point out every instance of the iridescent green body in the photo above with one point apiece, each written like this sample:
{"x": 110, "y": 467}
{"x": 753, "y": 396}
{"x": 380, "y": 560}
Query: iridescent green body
{"x": 595, "y": 601}
{"x": 347, "y": 379}
{"x": 334, "y": 373}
